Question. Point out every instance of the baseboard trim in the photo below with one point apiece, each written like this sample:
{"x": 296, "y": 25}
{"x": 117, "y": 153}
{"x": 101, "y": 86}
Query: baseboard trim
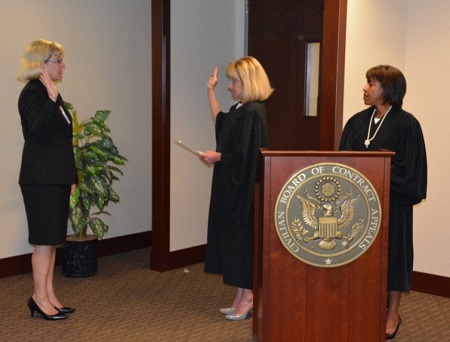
{"x": 181, "y": 258}
{"x": 124, "y": 243}
{"x": 22, "y": 263}
{"x": 431, "y": 284}
{"x": 422, "y": 282}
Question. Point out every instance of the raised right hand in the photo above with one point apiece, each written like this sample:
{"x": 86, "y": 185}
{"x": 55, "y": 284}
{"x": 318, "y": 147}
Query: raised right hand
{"x": 52, "y": 90}
{"x": 212, "y": 81}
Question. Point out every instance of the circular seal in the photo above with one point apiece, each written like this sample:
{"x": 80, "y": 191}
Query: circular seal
{"x": 327, "y": 214}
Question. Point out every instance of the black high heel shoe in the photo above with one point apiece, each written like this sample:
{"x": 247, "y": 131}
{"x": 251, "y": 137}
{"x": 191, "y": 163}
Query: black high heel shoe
{"x": 392, "y": 336}
{"x": 65, "y": 310}
{"x": 34, "y": 307}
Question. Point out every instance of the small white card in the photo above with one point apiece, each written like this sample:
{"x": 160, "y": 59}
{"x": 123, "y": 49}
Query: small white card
{"x": 186, "y": 147}
{"x": 64, "y": 114}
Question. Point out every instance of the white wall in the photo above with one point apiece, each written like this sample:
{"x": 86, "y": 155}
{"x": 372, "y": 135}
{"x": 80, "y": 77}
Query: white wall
{"x": 427, "y": 67}
{"x": 108, "y": 47}
{"x": 108, "y": 58}
{"x": 414, "y": 36}
{"x": 204, "y": 34}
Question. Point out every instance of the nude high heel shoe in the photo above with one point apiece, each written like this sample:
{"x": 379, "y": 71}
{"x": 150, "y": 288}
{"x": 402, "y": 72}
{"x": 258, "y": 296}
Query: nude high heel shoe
{"x": 227, "y": 311}
{"x": 240, "y": 317}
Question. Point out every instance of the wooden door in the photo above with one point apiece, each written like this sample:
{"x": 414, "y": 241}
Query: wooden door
{"x": 279, "y": 33}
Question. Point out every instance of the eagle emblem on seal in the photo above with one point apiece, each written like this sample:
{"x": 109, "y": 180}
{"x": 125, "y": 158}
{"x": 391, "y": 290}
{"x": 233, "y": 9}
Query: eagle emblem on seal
{"x": 327, "y": 215}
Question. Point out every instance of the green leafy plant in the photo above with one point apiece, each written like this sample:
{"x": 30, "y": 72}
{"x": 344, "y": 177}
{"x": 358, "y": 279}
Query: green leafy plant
{"x": 97, "y": 160}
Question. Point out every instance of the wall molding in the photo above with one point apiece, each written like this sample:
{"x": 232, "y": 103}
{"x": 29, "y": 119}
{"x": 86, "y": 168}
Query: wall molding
{"x": 22, "y": 263}
{"x": 431, "y": 284}
{"x": 422, "y": 282}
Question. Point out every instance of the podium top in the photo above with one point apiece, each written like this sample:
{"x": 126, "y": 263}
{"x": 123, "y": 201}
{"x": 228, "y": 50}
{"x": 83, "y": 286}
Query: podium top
{"x": 276, "y": 153}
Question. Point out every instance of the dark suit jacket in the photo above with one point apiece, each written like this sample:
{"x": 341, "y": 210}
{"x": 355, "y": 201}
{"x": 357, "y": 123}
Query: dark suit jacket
{"x": 47, "y": 156}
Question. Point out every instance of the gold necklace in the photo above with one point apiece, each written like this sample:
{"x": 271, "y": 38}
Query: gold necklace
{"x": 368, "y": 140}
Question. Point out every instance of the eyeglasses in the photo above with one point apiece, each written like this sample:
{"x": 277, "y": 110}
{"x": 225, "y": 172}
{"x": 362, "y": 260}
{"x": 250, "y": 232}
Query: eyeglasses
{"x": 58, "y": 60}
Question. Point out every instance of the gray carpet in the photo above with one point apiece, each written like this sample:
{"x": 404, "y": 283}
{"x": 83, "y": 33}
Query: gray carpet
{"x": 126, "y": 301}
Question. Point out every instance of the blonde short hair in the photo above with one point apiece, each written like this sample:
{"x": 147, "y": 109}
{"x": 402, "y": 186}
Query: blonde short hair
{"x": 34, "y": 56}
{"x": 253, "y": 77}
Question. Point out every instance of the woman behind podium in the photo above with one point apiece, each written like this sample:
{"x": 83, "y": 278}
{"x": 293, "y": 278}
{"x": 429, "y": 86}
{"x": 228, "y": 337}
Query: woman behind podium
{"x": 385, "y": 125}
{"x": 240, "y": 134}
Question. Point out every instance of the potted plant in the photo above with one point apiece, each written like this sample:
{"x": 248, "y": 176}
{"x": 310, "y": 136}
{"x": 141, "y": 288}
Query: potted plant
{"x": 97, "y": 160}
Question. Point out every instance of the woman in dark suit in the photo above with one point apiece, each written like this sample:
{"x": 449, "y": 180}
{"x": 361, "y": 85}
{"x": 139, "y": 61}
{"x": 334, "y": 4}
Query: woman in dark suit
{"x": 48, "y": 173}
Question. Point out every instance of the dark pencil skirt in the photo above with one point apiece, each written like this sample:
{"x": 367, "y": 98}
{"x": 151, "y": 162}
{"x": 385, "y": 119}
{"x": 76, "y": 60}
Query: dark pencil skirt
{"x": 47, "y": 208}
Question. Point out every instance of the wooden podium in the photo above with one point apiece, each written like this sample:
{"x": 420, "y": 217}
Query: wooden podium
{"x": 298, "y": 301}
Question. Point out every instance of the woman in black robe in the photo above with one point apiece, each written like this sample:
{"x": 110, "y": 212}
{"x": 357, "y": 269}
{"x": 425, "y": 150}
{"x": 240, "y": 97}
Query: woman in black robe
{"x": 240, "y": 134}
{"x": 385, "y": 125}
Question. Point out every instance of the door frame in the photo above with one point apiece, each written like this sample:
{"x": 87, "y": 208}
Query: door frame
{"x": 332, "y": 73}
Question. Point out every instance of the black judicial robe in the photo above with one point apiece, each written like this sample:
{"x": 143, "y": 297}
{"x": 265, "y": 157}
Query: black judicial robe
{"x": 239, "y": 136}
{"x": 401, "y": 133}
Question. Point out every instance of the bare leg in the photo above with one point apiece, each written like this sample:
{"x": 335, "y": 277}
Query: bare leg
{"x": 246, "y": 303}
{"x": 50, "y": 289}
{"x": 392, "y": 318}
{"x": 238, "y": 297}
{"x": 41, "y": 261}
